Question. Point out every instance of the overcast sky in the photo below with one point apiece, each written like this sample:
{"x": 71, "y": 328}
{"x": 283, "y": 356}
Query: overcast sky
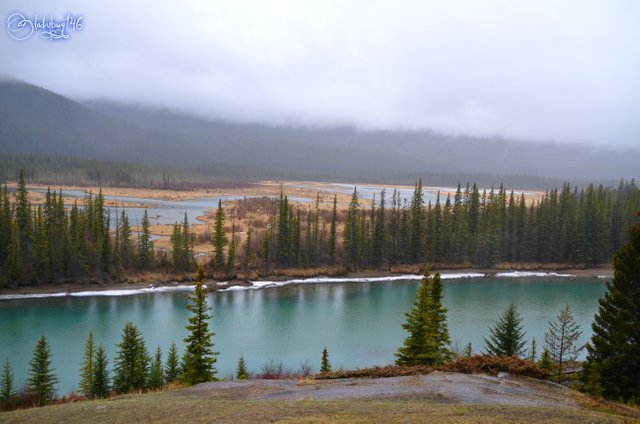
{"x": 565, "y": 71}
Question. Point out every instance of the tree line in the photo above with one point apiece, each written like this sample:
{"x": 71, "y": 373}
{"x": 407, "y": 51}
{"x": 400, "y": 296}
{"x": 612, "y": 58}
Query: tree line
{"x": 472, "y": 227}
{"x": 50, "y": 242}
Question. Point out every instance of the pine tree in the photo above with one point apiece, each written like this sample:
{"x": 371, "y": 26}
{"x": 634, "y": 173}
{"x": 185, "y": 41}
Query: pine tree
{"x": 241, "y": 370}
{"x": 351, "y": 242}
{"x": 219, "y": 239}
{"x": 186, "y": 246}
{"x": 332, "y": 231}
{"x": 5, "y": 226}
{"x": 560, "y": 339}
{"x": 199, "y": 358}
{"x": 283, "y": 254}
{"x": 146, "y": 252}
{"x": 468, "y": 351}
{"x": 248, "y": 256}
{"x": 176, "y": 249}
{"x": 546, "y": 363}
{"x": 325, "y": 366}
{"x": 428, "y": 340}
{"x": 87, "y": 370}
{"x": 379, "y": 241}
{"x": 532, "y": 351}
{"x": 126, "y": 250}
{"x": 172, "y": 367}
{"x": 416, "y": 241}
{"x": 7, "y": 388}
{"x": 613, "y": 360}
{"x": 131, "y": 371}
{"x": 506, "y": 336}
{"x": 231, "y": 256}
{"x": 42, "y": 380}
{"x": 156, "y": 373}
{"x": 23, "y": 239}
{"x": 100, "y": 384}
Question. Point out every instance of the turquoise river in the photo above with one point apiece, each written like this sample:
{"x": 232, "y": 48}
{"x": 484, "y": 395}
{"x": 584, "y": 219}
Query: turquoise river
{"x": 359, "y": 322}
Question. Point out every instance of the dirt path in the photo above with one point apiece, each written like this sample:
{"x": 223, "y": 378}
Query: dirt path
{"x": 439, "y": 387}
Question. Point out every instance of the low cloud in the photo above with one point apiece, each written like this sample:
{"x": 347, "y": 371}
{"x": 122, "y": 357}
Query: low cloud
{"x": 536, "y": 70}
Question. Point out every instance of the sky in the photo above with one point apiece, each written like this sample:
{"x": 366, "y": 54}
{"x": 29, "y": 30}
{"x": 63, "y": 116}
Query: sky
{"x": 549, "y": 70}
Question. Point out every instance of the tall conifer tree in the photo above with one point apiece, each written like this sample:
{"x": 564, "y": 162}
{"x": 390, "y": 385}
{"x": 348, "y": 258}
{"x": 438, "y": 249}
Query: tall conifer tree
{"x": 131, "y": 371}
{"x": 613, "y": 360}
{"x": 507, "y": 337}
{"x": 87, "y": 371}
{"x": 199, "y": 358}
{"x": 428, "y": 340}
{"x": 219, "y": 239}
{"x": 42, "y": 380}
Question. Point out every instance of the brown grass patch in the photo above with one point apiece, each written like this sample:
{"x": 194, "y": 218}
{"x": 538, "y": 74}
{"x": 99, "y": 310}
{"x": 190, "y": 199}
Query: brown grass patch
{"x": 378, "y": 372}
{"x": 494, "y": 364}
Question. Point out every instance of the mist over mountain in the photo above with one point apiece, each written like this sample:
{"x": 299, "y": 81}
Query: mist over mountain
{"x": 35, "y": 120}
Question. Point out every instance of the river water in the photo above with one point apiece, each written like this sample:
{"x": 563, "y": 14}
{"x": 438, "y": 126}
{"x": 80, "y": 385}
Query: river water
{"x": 359, "y": 322}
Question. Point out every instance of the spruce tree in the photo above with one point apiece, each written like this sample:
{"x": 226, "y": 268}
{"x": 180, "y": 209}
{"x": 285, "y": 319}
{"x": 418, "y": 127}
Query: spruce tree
{"x": 199, "y": 358}
{"x": 21, "y": 256}
{"x": 507, "y": 337}
{"x": 172, "y": 366}
{"x": 283, "y": 239}
{"x": 176, "y": 249}
{"x": 468, "y": 351}
{"x": 231, "y": 255}
{"x": 560, "y": 339}
{"x": 5, "y": 227}
{"x": 186, "y": 247}
{"x": 332, "y": 231}
{"x": 87, "y": 370}
{"x": 428, "y": 340}
{"x": 532, "y": 351}
{"x": 379, "y": 240}
{"x": 126, "y": 250}
{"x": 248, "y": 256}
{"x": 146, "y": 252}
{"x": 241, "y": 370}
{"x": 546, "y": 363}
{"x": 351, "y": 241}
{"x": 100, "y": 384}
{"x": 7, "y": 388}
{"x": 42, "y": 380}
{"x": 613, "y": 360}
{"x": 416, "y": 241}
{"x": 325, "y": 366}
{"x": 156, "y": 373}
{"x": 131, "y": 370}
{"x": 219, "y": 239}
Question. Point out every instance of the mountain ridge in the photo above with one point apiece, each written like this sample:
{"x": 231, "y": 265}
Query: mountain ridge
{"x": 37, "y": 120}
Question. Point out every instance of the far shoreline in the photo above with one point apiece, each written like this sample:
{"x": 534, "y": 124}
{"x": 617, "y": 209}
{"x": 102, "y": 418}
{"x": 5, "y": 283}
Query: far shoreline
{"x": 168, "y": 281}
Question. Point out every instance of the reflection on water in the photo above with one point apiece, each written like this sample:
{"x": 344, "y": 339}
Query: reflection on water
{"x": 360, "y": 323}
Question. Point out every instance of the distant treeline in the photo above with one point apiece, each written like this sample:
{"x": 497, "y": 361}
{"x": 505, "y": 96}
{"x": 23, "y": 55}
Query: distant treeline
{"x": 50, "y": 242}
{"x": 69, "y": 170}
{"x": 65, "y": 170}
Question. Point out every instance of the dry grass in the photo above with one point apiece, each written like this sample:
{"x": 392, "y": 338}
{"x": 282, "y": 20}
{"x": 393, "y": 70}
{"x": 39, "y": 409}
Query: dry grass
{"x": 378, "y": 372}
{"x": 176, "y": 407}
{"x": 492, "y": 365}
{"x": 477, "y": 364}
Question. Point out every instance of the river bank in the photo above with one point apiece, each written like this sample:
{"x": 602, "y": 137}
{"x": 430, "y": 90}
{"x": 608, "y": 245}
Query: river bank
{"x": 149, "y": 282}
